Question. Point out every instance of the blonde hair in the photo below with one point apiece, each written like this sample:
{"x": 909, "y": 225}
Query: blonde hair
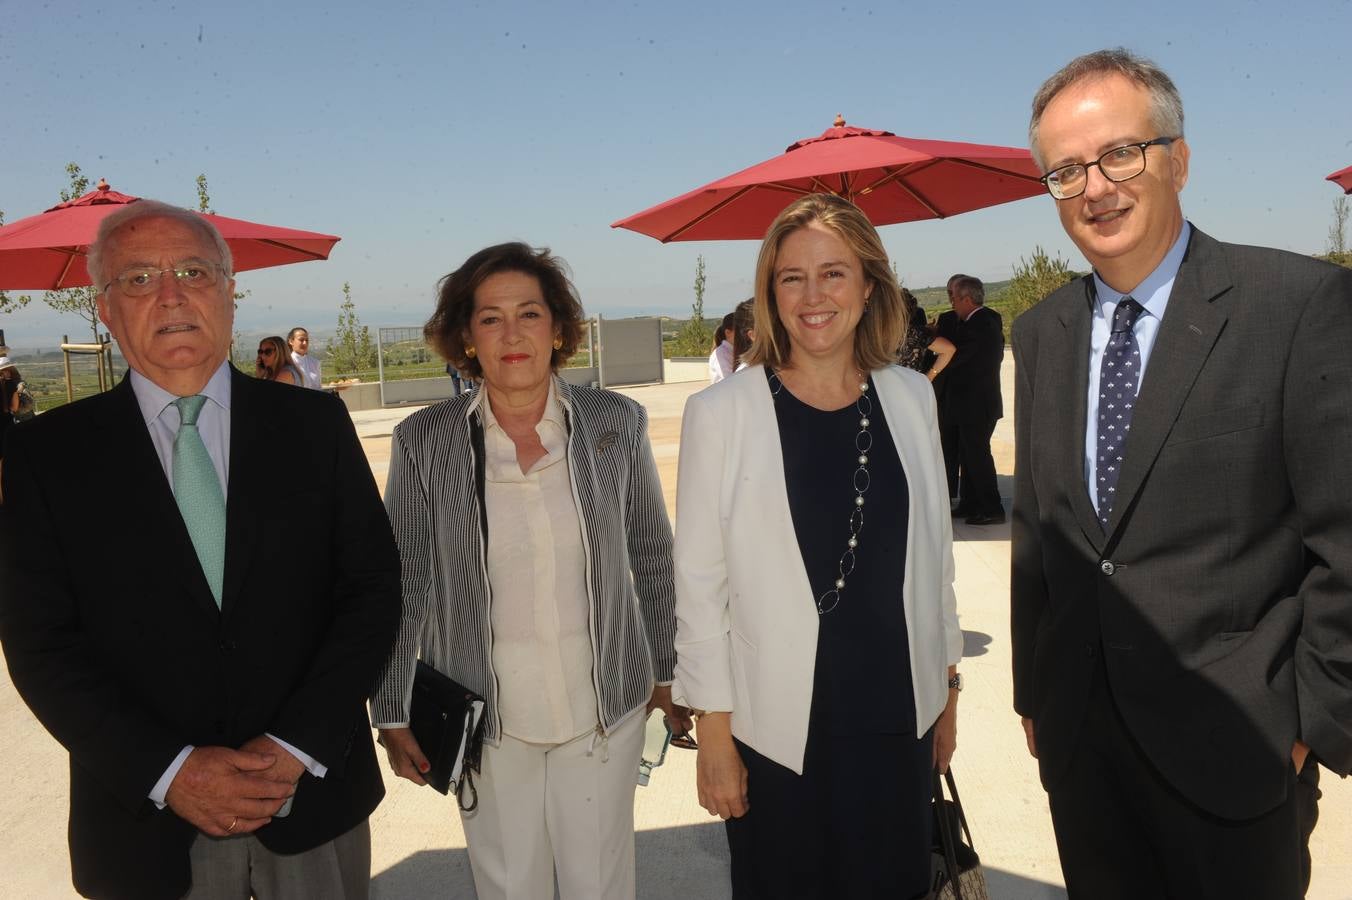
{"x": 886, "y": 312}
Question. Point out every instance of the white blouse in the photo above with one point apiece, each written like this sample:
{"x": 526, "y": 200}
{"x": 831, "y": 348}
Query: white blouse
{"x": 542, "y": 652}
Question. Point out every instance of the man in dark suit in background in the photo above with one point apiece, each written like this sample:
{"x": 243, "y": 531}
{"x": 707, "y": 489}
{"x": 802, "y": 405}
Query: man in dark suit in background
{"x": 972, "y": 401}
{"x": 946, "y": 326}
{"x": 205, "y": 660}
{"x": 1182, "y": 536}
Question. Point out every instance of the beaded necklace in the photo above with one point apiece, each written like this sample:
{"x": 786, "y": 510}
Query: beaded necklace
{"x": 863, "y": 443}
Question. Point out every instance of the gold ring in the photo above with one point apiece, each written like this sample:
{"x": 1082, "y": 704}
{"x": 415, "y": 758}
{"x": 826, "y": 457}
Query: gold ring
{"x": 229, "y": 829}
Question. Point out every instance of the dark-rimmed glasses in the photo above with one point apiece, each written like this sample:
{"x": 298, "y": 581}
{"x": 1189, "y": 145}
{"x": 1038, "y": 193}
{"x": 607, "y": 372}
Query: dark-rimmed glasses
{"x": 1117, "y": 165}
{"x": 142, "y": 281}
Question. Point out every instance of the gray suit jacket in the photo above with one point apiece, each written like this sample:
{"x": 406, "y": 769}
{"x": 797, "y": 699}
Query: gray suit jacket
{"x": 1221, "y": 594}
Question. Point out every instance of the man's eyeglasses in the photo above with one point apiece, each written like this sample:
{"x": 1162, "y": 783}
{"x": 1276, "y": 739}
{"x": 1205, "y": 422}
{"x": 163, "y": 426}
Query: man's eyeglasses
{"x": 142, "y": 281}
{"x": 1118, "y": 164}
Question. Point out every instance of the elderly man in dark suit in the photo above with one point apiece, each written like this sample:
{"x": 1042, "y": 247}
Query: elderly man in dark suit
{"x": 204, "y": 659}
{"x": 1182, "y": 535}
{"x": 946, "y": 326}
{"x": 972, "y": 400}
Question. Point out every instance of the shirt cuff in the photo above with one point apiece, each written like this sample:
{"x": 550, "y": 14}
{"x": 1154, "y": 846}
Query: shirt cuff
{"x": 313, "y": 766}
{"x": 161, "y": 789}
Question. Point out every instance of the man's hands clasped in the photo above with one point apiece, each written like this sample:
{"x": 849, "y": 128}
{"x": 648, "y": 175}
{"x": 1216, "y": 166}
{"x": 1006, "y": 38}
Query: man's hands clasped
{"x": 221, "y": 791}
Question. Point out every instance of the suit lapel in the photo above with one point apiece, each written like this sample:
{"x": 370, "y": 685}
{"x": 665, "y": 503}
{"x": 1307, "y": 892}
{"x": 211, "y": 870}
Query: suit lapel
{"x": 141, "y": 482}
{"x": 246, "y": 460}
{"x": 1191, "y": 325}
{"x": 1072, "y": 418}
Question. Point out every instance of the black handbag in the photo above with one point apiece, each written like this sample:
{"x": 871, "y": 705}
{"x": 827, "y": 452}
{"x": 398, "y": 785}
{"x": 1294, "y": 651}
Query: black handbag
{"x": 446, "y": 719}
{"x": 956, "y": 866}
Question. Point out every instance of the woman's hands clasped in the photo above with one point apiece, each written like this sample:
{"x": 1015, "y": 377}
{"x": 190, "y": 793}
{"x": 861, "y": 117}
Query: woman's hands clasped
{"x": 406, "y": 757}
{"x": 720, "y": 774}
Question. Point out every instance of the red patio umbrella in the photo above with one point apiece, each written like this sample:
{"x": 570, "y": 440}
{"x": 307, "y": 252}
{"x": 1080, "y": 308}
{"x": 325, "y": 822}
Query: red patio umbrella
{"x": 1342, "y": 178}
{"x": 892, "y": 179}
{"x": 47, "y": 251}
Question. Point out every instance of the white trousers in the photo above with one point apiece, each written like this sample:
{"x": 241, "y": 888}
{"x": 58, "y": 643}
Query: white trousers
{"x": 557, "y": 808}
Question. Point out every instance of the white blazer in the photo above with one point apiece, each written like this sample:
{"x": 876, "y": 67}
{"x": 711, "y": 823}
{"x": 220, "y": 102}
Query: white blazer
{"x": 746, "y": 620}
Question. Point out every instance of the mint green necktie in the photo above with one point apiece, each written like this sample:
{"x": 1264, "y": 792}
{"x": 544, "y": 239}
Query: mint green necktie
{"x": 199, "y": 495}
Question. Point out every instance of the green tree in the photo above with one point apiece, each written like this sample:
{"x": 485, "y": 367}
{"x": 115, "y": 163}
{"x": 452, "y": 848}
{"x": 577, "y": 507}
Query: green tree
{"x": 696, "y": 335}
{"x": 1337, "y": 245}
{"x": 203, "y": 198}
{"x": 351, "y": 349}
{"x": 1033, "y": 280}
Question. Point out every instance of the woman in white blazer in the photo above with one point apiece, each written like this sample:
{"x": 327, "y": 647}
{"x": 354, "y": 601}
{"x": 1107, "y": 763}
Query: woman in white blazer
{"x": 817, "y": 634}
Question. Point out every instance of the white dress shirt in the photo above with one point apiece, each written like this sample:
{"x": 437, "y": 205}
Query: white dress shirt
{"x": 542, "y": 652}
{"x": 309, "y": 368}
{"x": 213, "y": 424}
{"x": 720, "y": 362}
{"x": 1153, "y": 295}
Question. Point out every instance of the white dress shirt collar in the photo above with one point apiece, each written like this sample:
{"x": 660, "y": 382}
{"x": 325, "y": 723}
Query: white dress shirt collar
{"x": 1153, "y": 291}
{"x": 153, "y": 399}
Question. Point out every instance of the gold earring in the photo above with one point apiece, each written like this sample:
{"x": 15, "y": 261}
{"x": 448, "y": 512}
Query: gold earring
{"x": 471, "y": 352}
{"x": 558, "y": 343}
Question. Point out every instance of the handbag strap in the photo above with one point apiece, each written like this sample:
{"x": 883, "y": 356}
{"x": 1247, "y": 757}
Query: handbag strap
{"x": 957, "y": 804}
{"x": 947, "y": 835}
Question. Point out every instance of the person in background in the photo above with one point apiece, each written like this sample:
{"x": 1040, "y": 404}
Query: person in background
{"x": 539, "y": 576}
{"x": 10, "y": 379}
{"x": 973, "y": 403}
{"x": 273, "y": 363}
{"x": 744, "y": 332}
{"x": 216, "y": 726}
{"x": 457, "y": 382}
{"x": 720, "y": 360}
{"x": 299, "y": 341}
{"x": 1181, "y": 586}
{"x": 817, "y": 633}
{"x": 921, "y": 349}
{"x": 946, "y": 326}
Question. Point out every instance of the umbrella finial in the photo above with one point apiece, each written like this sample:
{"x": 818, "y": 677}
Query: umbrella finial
{"x": 840, "y": 121}
{"x": 103, "y": 184}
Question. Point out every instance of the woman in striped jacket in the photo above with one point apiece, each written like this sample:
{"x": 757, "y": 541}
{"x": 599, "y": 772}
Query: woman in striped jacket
{"x": 537, "y": 571}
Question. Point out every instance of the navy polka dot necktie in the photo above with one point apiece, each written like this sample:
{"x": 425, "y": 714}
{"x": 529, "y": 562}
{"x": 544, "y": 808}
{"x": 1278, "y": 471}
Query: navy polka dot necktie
{"x": 1119, "y": 381}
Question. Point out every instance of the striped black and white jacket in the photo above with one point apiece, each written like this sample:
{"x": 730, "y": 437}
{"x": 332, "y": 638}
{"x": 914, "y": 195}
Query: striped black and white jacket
{"x": 435, "y": 499}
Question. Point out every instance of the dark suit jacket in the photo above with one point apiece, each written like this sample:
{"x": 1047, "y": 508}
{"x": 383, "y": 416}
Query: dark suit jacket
{"x": 945, "y": 326}
{"x": 1221, "y": 595}
{"x": 114, "y": 640}
{"x": 972, "y": 392}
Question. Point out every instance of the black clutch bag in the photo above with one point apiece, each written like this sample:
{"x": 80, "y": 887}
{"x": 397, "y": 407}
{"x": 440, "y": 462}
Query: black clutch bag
{"x": 446, "y": 720}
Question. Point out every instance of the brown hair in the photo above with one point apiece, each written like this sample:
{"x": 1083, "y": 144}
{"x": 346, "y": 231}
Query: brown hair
{"x": 886, "y": 315}
{"x": 446, "y": 331}
{"x": 281, "y": 356}
{"x": 744, "y": 319}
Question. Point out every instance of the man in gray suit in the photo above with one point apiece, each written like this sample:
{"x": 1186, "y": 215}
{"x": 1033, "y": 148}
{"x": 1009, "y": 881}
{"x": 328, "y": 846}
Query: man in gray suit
{"x": 1182, "y": 535}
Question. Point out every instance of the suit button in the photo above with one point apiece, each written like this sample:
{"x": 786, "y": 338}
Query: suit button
{"x": 1107, "y": 567}
{"x": 1090, "y": 651}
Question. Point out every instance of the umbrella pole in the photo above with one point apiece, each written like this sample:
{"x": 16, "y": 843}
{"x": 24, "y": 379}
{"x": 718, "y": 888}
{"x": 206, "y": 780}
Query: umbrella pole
{"x": 65, "y": 354}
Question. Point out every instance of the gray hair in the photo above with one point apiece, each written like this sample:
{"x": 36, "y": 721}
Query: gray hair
{"x": 150, "y": 209}
{"x": 970, "y": 286}
{"x": 1166, "y": 106}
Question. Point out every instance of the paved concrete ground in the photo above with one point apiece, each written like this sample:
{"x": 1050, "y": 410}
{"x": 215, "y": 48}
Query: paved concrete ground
{"x": 418, "y": 846}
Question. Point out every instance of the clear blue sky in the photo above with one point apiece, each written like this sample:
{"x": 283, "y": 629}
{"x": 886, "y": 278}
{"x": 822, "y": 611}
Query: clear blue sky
{"x": 422, "y": 131}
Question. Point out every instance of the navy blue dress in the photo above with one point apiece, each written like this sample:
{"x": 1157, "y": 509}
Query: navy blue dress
{"x": 856, "y": 823}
